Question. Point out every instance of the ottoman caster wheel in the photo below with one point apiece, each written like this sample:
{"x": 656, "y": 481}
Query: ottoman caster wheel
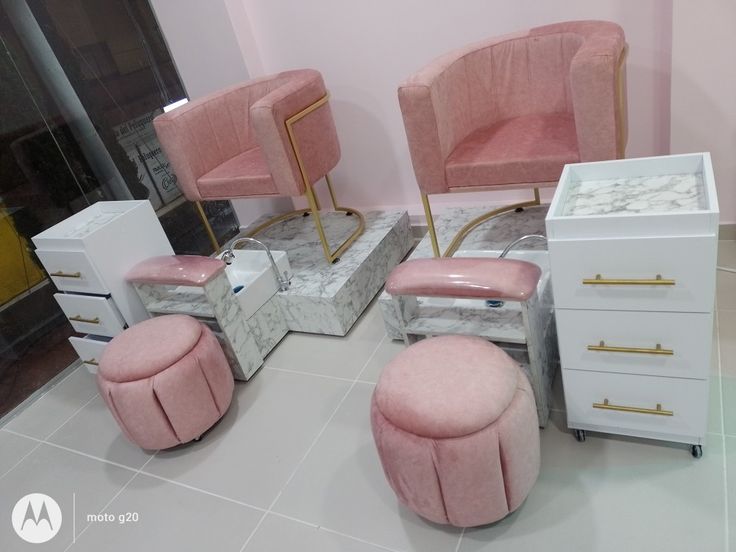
{"x": 335, "y": 261}
{"x": 579, "y": 435}
{"x": 305, "y": 214}
{"x": 696, "y": 451}
{"x": 519, "y": 210}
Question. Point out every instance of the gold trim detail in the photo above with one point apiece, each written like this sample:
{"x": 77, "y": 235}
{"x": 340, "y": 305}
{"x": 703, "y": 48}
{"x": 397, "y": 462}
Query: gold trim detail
{"x": 91, "y": 361}
{"x": 60, "y": 274}
{"x": 621, "y": 102}
{"x": 470, "y": 226}
{"x": 314, "y": 208}
{"x": 605, "y": 405}
{"x": 80, "y": 318}
{"x": 207, "y": 226}
{"x": 656, "y": 281}
{"x": 657, "y": 350}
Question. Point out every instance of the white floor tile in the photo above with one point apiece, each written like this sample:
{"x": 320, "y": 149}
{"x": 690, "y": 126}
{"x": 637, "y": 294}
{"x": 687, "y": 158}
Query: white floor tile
{"x": 169, "y": 518}
{"x": 47, "y": 414}
{"x": 277, "y": 534}
{"x": 254, "y": 449}
{"x": 341, "y": 486}
{"x": 386, "y": 351}
{"x": 613, "y": 494}
{"x": 342, "y": 357}
{"x": 59, "y": 474}
{"x": 12, "y": 449}
{"x": 731, "y": 476}
{"x": 94, "y": 431}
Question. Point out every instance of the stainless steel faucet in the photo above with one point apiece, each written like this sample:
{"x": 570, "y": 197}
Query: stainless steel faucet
{"x": 516, "y": 242}
{"x": 228, "y": 256}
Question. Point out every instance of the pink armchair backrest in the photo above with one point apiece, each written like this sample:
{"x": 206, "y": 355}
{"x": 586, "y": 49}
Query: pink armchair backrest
{"x": 565, "y": 67}
{"x": 202, "y": 134}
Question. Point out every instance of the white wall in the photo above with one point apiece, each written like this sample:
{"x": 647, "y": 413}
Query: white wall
{"x": 704, "y": 90}
{"x": 365, "y": 49}
{"x": 205, "y": 47}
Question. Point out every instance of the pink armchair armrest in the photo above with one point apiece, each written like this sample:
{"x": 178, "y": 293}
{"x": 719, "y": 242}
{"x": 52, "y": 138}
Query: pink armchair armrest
{"x": 465, "y": 277}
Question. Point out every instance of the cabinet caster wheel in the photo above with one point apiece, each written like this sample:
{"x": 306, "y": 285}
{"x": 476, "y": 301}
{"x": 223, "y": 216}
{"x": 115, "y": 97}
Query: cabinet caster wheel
{"x": 696, "y": 451}
{"x": 579, "y": 435}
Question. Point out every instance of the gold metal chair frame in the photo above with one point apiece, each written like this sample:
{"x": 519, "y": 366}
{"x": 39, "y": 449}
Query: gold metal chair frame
{"x": 314, "y": 206}
{"x": 620, "y": 87}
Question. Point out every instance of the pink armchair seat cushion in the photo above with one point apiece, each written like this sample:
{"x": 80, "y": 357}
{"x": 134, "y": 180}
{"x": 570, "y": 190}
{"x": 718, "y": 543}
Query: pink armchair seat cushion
{"x": 480, "y": 278}
{"x": 512, "y": 110}
{"x": 526, "y": 149}
{"x": 455, "y": 424}
{"x": 179, "y": 270}
{"x": 165, "y": 380}
{"x": 245, "y": 175}
{"x": 233, "y": 143}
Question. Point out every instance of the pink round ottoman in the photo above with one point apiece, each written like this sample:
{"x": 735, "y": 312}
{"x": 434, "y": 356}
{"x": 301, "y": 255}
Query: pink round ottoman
{"x": 455, "y": 424}
{"x": 165, "y": 380}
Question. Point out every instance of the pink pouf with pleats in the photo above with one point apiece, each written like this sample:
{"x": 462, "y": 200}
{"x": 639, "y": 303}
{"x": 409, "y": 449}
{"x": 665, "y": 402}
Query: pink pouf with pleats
{"x": 455, "y": 424}
{"x": 166, "y": 381}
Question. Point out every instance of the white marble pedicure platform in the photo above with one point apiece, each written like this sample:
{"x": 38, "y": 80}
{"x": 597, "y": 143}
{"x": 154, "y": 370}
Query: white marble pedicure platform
{"x": 526, "y": 332}
{"x": 328, "y": 298}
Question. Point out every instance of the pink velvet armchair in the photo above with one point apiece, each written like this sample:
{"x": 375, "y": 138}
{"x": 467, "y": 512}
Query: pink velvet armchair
{"x": 269, "y": 137}
{"x": 510, "y": 112}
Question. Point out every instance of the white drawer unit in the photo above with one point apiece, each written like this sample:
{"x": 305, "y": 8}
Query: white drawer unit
{"x": 632, "y": 248}
{"x": 89, "y": 348}
{"x": 87, "y": 257}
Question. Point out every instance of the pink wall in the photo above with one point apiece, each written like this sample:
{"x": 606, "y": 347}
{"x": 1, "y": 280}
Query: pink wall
{"x": 365, "y": 49}
{"x": 704, "y": 90}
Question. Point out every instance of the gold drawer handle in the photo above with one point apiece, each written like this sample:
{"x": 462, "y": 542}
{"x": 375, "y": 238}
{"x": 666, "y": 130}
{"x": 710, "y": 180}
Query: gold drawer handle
{"x": 60, "y": 274}
{"x": 92, "y": 361}
{"x": 605, "y": 405}
{"x": 79, "y": 318}
{"x": 658, "y": 350}
{"x": 600, "y": 280}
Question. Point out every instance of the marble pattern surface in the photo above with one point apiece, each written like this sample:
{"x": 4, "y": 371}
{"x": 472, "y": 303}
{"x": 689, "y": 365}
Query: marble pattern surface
{"x": 328, "y": 299}
{"x": 268, "y": 326}
{"x": 234, "y": 325}
{"x": 526, "y": 331}
{"x": 639, "y": 194}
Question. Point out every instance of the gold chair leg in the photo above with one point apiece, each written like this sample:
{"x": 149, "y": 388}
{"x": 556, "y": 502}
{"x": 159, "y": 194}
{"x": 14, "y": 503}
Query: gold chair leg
{"x": 207, "y": 226}
{"x": 318, "y": 223}
{"x": 430, "y": 226}
{"x": 465, "y": 230}
{"x": 314, "y": 207}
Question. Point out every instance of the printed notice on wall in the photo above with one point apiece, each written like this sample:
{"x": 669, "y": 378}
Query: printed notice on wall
{"x": 138, "y": 138}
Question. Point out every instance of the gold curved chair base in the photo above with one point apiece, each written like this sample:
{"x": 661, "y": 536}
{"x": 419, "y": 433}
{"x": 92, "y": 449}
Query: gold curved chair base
{"x": 470, "y": 226}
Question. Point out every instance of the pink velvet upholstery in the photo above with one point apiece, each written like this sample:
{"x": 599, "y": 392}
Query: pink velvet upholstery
{"x": 512, "y": 110}
{"x": 165, "y": 380}
{"x": 233, "y": 143}
{"x": 480, "y": 278}
{"x": 178, "y": 270}
{"x": 455, "y": 424}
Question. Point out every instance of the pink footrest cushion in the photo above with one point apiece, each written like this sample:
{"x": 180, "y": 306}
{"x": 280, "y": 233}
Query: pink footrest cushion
{"x": 165, "y": 380}
{"x": 455, "y": 424}
{"x": 472, "y": 277}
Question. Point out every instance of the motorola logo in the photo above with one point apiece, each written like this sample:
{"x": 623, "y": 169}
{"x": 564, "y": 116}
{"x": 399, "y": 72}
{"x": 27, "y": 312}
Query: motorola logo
{"x": 36, "y": 518}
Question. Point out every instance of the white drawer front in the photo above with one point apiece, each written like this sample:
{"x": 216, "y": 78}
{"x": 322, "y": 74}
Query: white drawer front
{"x": 687, "y": 400}
{"x": 690, "y": 262}
{"x": 89, "y": 348}
{"x": 687, "y": 335}
{"x": 89, "y": 314}
{"x": 72, "y": 271}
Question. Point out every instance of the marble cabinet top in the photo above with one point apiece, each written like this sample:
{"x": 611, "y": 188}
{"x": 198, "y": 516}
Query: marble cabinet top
{"x": 640, "y": 194}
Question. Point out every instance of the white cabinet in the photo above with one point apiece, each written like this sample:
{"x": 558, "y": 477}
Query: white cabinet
{"x": 87, "y": 257}
{"x": 632, "y": 248}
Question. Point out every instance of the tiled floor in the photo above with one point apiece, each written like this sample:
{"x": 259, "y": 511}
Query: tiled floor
{"x": 292, "y": 467}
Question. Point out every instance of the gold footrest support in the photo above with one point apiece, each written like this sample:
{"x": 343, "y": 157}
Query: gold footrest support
{"x": 657, "y": 350}
{"x": 470, "y": 226}
{"x": 658, "y": 411}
